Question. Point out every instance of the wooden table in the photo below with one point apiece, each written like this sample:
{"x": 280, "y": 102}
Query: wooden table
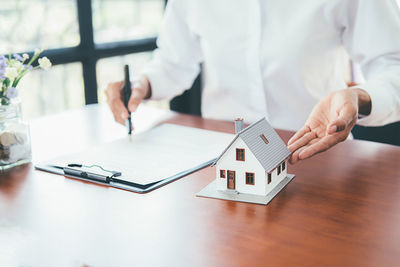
{"x": 342, "y": 209}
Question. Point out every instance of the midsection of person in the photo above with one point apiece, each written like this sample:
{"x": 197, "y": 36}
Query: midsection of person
{"x": 268, "y": 58}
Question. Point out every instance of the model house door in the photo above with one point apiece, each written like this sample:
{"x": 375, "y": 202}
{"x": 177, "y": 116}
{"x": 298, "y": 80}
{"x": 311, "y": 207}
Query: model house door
{"x": 231, "y": 180}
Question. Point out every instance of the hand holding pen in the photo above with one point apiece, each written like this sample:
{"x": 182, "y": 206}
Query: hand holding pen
{"x": 140, "y": 90}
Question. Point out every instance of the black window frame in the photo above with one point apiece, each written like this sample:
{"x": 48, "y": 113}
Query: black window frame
{"x": 88, "y": 52}
{"x": 250, "y": 178}
{"x": 264, "y": 138}
{"x": 240, "y": 154}
{"x": 222, "y": 174}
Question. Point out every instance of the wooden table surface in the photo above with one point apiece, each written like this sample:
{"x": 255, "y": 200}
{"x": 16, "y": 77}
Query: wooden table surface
{"x": 342, "y": 209}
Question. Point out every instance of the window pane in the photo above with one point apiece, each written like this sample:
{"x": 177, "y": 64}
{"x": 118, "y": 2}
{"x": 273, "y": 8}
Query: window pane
{"x": 118, "y": 20}
{"x": 46, "y": 92}
{"x": 28, "y": 24}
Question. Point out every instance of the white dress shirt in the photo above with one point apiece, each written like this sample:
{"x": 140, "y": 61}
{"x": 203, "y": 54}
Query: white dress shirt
{"x": 278, "y": 58}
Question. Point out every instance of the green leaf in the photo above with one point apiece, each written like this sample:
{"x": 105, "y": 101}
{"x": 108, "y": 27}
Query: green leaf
{"x": 5, "y": 101}
{"x": 6, "y": 82}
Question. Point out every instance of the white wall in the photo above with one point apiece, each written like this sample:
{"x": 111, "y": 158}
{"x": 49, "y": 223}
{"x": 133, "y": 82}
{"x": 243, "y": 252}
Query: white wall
{"x": 275, "y": 179}
{"x": 251, "y": 164}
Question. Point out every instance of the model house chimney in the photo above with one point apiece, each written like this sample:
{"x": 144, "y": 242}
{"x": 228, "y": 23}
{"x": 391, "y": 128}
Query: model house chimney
{"x": 239, "y": 125}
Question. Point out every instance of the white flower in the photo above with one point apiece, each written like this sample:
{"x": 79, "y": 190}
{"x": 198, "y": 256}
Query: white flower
{"x": 18, "y": 66}
{"x": 25, "y": 56}
{"x": 11, "y": 73}
{"x": 44, "y": 63}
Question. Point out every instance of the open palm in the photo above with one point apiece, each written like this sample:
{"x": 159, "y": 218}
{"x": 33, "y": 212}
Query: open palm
{"x": 329, "y": 123}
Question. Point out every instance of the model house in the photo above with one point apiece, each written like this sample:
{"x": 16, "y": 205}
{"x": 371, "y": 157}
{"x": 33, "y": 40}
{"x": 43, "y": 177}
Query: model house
{"x": 255, "y": 162}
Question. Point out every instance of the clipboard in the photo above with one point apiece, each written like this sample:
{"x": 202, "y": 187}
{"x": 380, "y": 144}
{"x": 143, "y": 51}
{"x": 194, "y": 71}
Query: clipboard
{"x": 165, "y": 154}
{"x": 127, "y": 185}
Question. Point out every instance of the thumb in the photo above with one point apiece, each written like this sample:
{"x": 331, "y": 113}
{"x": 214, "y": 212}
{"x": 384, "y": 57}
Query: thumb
{"x": 136, "y": 97}
{"x": 337, "y": 126}
{"x": 345, "y": 119}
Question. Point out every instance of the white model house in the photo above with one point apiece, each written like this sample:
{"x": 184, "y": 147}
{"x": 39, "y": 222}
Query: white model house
{"x": 255, "y": 162}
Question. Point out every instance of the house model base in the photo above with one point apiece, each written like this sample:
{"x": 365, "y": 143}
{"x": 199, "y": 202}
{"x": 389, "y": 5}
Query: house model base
{"x": 253, "y": 167}
{"x": 212, "y": 192}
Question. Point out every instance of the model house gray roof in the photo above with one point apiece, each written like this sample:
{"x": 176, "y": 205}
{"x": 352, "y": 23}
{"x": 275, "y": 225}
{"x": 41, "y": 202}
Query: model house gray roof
{"x": 269, "y": 154}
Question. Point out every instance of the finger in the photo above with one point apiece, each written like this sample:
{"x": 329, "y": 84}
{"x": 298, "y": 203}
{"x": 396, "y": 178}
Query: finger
{"x": 337, "y": 126}
{"x": 299, "y": 134}
{"x": 294, "y": 158}
{"x": 113, "y": 90}
{"x": 323, "y": 144}
{"x": 114, "y": 97}
{"x": 136, "y": 97}
{"x": 346, "y": 118}
{"x": 118, "y": 119}
{"x": 119, "y": 111}
{"x": 302, "y": 141}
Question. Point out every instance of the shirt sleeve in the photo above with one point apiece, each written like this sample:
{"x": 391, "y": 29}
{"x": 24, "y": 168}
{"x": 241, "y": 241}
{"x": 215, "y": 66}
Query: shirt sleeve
{"x": 371, "y": 36}
{"x": 176, "y": 61}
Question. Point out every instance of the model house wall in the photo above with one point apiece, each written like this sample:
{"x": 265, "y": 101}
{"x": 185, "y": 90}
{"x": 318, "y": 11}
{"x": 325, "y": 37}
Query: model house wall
{"x": 255, "y": 162}
{"x": 261, "y": 186}
{"x": 275, "y": 178}
{"x": 250, "y": 164}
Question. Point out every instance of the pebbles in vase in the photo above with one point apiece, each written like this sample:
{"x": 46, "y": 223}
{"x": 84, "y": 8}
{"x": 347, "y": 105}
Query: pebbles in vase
{"x": 14, "y": 146}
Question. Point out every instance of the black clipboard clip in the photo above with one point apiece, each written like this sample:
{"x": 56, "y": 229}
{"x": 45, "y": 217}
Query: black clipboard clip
{"x": 79, "y": 170}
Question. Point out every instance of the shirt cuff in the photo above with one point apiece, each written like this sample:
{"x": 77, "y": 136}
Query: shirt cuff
{"x": 380, "y": 103}
{"x": 158, "y": 84}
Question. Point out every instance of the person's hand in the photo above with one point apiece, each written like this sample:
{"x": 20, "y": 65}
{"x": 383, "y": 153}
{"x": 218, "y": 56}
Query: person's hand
{"x": 140, "y": 90}
{"x": 329, "y": 123}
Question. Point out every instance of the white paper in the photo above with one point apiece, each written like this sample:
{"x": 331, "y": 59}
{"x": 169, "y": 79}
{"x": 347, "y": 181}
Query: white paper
{"x": 155, "y": 154}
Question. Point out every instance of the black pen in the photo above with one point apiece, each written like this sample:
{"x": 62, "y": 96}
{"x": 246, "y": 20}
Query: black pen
{"x": 127, "y": 95}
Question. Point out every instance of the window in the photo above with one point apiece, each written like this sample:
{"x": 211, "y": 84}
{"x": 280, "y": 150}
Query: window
{"x": 26, "y": 25}
{"x": 87, "y": 46}
{"x": 136, "y": 19}
{"x": 240, "y": 154}
{"x": 269, "y": 178}
{"x": 283, "y": 166}
{"x": 279, "y": 169}
{"x": 250, "y": 178}
{"x": 222, "y": 173}
{"x": 264, "y": 138}
{"x": 43, "y": 96}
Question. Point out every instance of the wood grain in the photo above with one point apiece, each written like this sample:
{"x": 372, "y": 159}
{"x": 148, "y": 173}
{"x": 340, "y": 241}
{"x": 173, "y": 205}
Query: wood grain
{"x": 342, "y": 209}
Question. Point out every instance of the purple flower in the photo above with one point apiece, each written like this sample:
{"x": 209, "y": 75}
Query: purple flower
{"x": 28, "y": 67}
{"x": 18, "y": 57}
{"x": 12, "y": 92}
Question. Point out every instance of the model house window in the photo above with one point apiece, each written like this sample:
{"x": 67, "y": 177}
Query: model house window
{"x": 250, "y": 178}
{"x": 269, "y": 178}
{"x": 222, "y": 173}
{"x": 279, "y": 169}
{"x": 240, "y": 154}
{"x": 283, "y": 166}
{"x": 264, "y": 138}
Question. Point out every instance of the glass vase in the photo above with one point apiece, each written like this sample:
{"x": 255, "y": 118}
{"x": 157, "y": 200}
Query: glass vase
{"x": 15, "y": 141}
